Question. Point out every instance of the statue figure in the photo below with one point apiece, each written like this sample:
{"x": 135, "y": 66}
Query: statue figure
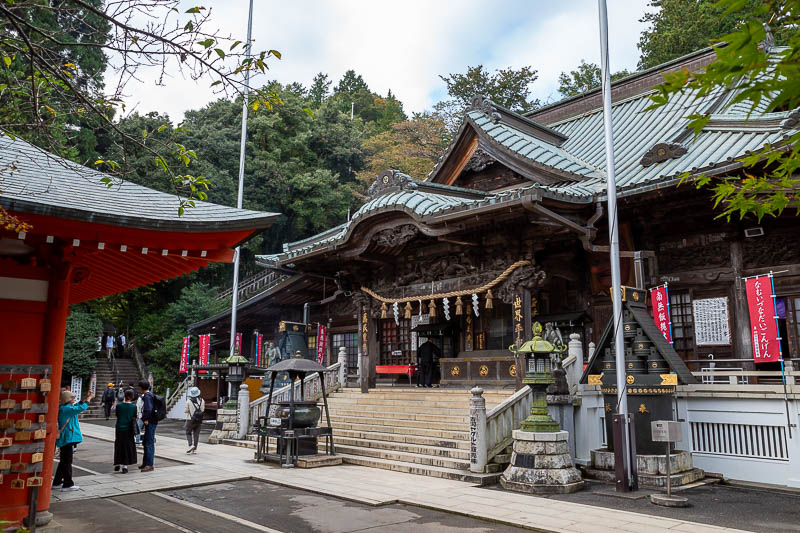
{"x": 273, "y": 354}
{"x": 553, "y": 335}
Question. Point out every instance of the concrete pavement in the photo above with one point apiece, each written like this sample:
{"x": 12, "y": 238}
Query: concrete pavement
{"x": 220, "y": 464}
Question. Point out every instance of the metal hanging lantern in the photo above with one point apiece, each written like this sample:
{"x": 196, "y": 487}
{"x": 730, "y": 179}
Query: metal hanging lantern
{"x": 538, "y": 354}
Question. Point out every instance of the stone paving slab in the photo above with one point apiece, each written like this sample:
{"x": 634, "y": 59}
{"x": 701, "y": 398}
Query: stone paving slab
{"x": 215, "y": 464}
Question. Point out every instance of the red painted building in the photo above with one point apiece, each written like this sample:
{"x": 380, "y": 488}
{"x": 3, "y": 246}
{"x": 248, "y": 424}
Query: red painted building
{"x": 85, "y": 241}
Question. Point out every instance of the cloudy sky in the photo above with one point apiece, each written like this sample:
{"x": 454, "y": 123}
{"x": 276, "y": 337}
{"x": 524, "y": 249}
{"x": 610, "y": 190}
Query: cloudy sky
{"x": 404, "y": 46}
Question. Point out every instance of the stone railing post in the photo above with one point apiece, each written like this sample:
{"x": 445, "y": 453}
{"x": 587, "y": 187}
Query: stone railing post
{"x": 342, "y": 360}
{"x": 477, "y": 431}
{"x": 243, "y": 416}
{"x": 573, "y": 363}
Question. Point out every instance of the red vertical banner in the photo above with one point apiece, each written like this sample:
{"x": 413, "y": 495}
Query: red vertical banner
{"x": 660, "y": 303}
{"x": 184, "y": 355}
{"x": 322, "y": 341}
{"x": 764, "y": 328}
{"x": 204, "y": 342}
{"x": 238, "y": 344}
{"x": 259, "y": 348}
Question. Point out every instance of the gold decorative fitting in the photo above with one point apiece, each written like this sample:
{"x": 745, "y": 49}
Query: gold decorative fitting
{"x": 608, "y": 408}
{"x": 595, "y": 379}
{"x": 629, "y": 379}
{"x": 459, "y": 306}
{"x": 469, "y": 310}
{"x": 669, "y": 379}
{"x": 643, "y": 409}
{"x": 512, "y": 371}
{"x": 432, "y": 309}
{"x": 407, "y": 314}
{"x": 489, "y": 304}
{"x": 484, "y": 370}
{"x": 281, "y": 326}
{"x": 455, "y": 371}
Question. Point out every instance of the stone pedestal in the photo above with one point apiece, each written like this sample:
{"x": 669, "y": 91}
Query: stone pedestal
{"x": 541, "y": 464}
{"x": 226, "y": 427}
{"x": 652, "y": 469}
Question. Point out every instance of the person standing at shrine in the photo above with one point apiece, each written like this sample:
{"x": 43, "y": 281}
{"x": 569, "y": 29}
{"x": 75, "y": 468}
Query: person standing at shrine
{"x": 110, "y": 346}
{"x": 124, "y": 446}
{"x": 69, "y": 434}
{"x": 122, "y": 351}
{"x": 109, "y": 395}
{"x": 150, "y": 421}
{"x": 195, "y": 406}
{"x": 425, "y": 357}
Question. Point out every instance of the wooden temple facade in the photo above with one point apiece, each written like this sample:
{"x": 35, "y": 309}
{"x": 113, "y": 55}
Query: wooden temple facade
{"x": 510, "y": 227}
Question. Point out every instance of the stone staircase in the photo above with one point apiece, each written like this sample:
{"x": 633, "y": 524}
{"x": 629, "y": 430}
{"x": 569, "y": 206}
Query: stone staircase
{"x": 127, "y": 371}
{"x": 418, "y": 431}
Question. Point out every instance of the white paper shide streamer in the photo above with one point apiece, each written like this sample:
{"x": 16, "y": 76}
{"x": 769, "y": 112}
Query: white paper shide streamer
{"x": 396, "y": 311}
{"x": 475, "y": 304}
{"x": 446, "y": 306}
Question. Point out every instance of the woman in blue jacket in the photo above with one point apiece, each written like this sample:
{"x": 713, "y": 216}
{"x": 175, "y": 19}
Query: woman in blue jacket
{"x": 70, "y": 434}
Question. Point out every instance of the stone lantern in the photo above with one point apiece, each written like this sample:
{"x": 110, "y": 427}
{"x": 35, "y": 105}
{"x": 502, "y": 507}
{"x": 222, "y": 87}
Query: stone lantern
{"x": 235, "y": 377}
{"x": 538, "y": 354}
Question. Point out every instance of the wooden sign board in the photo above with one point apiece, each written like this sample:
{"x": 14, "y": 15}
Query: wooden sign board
{"x": 22, "y": 424}
{"x": 22, "y": 435}
{"x": 6, "y": 423}
{"x": 5, "y": 464}
{"x": 44, "y": 385}
{"x": 18, "y": 484}
{"x": 39, "y": 434}
{"x": 37, "y": 457}
{"x": 5, "y": 442}
{"x": 26, "y": 404}
{"x": 18, "y": 467}
{"x": 35, "y": 481}
{"x": 28, "y": 383}
{"x": 42, "y": 419}
{"x": 10, "y": 384}
{"x": 8, "y": 403}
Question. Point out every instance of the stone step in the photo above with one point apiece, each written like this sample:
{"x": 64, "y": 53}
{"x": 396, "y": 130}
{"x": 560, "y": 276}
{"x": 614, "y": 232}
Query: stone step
{"x": 406, "y": 457}
{"x": 403, "y": 438}
{"x": 424, "y": 470}
{"x": 405, "y": 405}
{"x": 393, "y": 422}
{"x": 366, "y": 425}
{"x": 463, "y": 396}
{"x": 433, "y": 451}
{"x": 441, "y": 416}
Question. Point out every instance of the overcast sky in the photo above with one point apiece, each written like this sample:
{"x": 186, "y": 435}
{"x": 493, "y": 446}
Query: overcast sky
{"x": 405, "y": 45}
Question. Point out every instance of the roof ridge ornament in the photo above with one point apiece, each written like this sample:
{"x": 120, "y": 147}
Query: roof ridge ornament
{"x": 390, "y": 181}
{"x": 483, "y": 104}
{"x": 792, "y": 120}
{"x": 661, "y": 152}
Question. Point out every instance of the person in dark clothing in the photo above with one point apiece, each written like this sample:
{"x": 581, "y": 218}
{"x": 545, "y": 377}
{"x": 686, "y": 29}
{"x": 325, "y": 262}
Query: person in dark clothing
{"x": 150, "y": 422}
{"x": 109, "y": 395}
{"x": 425, "y": 357}
{"x": 124, "y": 447}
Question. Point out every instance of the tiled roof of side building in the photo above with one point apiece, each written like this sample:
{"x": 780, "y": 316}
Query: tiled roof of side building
{"x": 38, "y": 182}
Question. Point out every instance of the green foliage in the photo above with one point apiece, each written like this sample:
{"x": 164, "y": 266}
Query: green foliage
{"x": 585, "y": 78}
{"x": 319, "y": 90}
{"x": 680, "y": 27}
{"x": 159, "y": 334}
{"x": 760, "y": 77}
{"x": 80, "y": 343}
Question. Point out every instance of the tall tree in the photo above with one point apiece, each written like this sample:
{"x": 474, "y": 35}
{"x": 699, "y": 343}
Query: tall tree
{"x": 763, "y": 77}
{"x": 320, "y": 89}
{"x": 350, "y": 83}
{"x": 679, "y": 27}
{"x": 585, "y": 78}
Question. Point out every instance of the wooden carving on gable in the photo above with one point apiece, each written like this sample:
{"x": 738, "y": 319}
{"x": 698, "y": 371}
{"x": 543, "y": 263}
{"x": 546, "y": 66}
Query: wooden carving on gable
{"x": 390, "y": 181}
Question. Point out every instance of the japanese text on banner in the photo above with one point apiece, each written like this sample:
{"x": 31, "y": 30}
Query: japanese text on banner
{"x": 184, "y": 355}
{"x": 259, "y": 348}
{"x": 204, "y": 341}
{"x": 660, "y": 304}
{"x": 766, "y": 344}
{"x": 322, "y": 339}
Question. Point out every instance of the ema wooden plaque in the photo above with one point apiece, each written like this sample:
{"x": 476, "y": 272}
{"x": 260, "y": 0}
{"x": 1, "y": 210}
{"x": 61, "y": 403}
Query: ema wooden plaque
{"x": 18, "y": 484}
{"x": 26, "y": 404}
{"x": 37, "y": 457}
{"x": 5, "y": 442}
{"x": 8, "y": 403}
{"x": 35, "y": 481}
{"x": 39, "y": 434}
{"x": 1, "y": 479}
{"x": 5, "y": 464}
{"x": 28, "y": 383}
{"x": 18, "y": 468}
{"x": 22, "y": 424}
{"x": 10, "y": 384}
{"x": 22, "y": 435}
{"x": 42, "y": 419}
{"x": 6, "y": 423}
{"x": 44, "y": 385}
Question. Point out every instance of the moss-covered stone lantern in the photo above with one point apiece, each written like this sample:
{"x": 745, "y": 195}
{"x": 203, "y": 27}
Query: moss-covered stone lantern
{"x": 538, "y": 354}
{"x": 236, "y": 365}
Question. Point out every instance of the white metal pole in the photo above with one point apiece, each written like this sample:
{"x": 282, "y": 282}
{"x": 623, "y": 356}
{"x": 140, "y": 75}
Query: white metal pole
{"x": 236, "y": 253}
{"x": 613, "y": 234}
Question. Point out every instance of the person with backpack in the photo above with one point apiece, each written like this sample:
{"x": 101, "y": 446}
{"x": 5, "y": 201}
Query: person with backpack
{"x": 124, "y": 447}
{"x": 68, "y": 434}
{"x": 108, "y": 399}
{"x": 195, "y": 406}
{"x": 153, "y": 411}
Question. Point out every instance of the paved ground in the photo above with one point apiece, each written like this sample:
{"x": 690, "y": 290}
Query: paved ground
{"x": 97, "y": 456}
{"x": 341, "y": 496}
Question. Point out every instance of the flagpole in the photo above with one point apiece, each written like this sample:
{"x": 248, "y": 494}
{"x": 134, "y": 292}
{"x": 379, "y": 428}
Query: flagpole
{"x": 236, "y": 252}
{"x": 613, "y": 234}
